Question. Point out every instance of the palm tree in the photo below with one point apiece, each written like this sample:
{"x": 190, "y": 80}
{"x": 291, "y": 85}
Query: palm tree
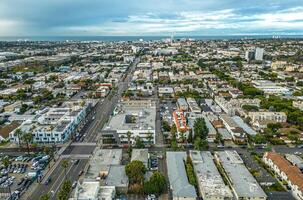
{"x": 150, "y": 137}
{"x": 6, "y": 161}
{"x": 18, "y": 133}
{"x": 65, "y": 165}
{"x": 27, "y": 138}
{"x": 128, "y": 134}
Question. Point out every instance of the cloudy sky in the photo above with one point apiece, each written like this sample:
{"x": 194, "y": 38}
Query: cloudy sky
{"x": 150, "y": 17}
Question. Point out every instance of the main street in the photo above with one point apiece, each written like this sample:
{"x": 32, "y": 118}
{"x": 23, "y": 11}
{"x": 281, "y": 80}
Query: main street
{"x": 91, "y": 133}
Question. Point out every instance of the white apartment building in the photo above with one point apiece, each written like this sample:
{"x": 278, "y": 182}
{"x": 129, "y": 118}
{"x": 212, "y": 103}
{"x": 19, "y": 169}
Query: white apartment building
{"x": 287, "y": 172}
{"x": 54, "y": 125}
{"x": 261, "y": 119}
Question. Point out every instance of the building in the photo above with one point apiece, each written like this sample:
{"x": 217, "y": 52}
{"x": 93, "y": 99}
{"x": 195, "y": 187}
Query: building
{"x": 55, "y": 125}
{"x": 180, "y": 122}
{"x": 166, "y": 92}
{"x": 287, "y": 172}
{"x": 261, "y": 119}
{"x": 182, "y": 104}
{"x": 179, "y": 185}
{"x": 117, "y": 178}
{"x": 233, "y": 128}
{"x": 249, "y": 55}
{"x": 295, "y": 160}
{"x": 101, "y": 161}
{"x": 259, "y": 54}
{"x": 88, "y": 190}
{"x": 134, "y": 117}
{"x": 210, "y": 183}
{"x": 242, "y": 183}
{"x": 140, "y": 155}
{"x": 193, "y": 105}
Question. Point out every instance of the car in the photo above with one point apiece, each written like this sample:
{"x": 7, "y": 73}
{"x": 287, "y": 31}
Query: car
{"x": 48, "y": 181}
{"x": 76, "y": 162}
{"x": 80, "y": 173}
{"x": 74, "y": 185}
{"x": 297, "y": 153}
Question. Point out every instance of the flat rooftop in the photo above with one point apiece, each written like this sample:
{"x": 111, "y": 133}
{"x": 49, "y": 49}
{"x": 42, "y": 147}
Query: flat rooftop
{"x": 140, "y": 154}
{"x": 117, "y": 176}
{"x": 133, "y": 117}
{"x": 209, "y": 179}
{"x": 177, "y": 175}
{"x": 244, "y": 184}
{"x": 102, "y": 160}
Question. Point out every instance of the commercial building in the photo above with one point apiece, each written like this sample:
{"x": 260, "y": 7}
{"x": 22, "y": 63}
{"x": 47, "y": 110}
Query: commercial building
{"x": 134, "y": 117}
{"x": 287, "y": 172}
{"x": 181, "y": 189}
{"x": 243, "y": 184}
{"x": 101, "y": 161}
{"x": 210, "y": 183}
{"x": 88, "y": 190}
{"x": 140, "y": 155}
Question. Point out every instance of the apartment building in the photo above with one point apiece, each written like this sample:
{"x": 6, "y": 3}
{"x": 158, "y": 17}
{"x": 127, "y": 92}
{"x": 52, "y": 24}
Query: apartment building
{"x": 287, "y": 172}
{"x": 261, "y": 119}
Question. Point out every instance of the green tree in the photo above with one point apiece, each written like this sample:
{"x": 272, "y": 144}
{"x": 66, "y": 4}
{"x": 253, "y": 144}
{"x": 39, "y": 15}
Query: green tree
{"x": 6, "y": 161}
{"x": 139, "y": 143}
{"x": 200, "y": 128}
{"x": 200, "y": 144}
{"x": 135, "y": 171}
{"x": 65, "y": 165}
{"x": 27, "y": 138}
{"x": 65, "y": 190}
{"x": 155, "y": 185}
{"x": 44, "y": 197}
{"x": 166, "y": 126}
{"x": 129, "y": 135}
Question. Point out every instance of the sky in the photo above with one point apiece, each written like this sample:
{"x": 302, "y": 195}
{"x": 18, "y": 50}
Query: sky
{"x": 150, "y": 17}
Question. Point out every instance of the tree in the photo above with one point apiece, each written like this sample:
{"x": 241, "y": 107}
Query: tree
{"x": 200, "y": 128}
{"x": 166, "y": 126}
{"x": 65, "y": 165}
{"x": 65, "y": 190}
{"x": 18, "y": 133}
{"x": 27, "y": 138}
{"x": 139, "y": 143}
{"x": 200, "y": 144}
{"x": 135, "y": 171}
{"x": 150, "y": 137}
{"x": 44, "y": 197}
{"x": 129, "y": 135}
{"x": 6, "y": 161}
{"x": 155, "y": 185}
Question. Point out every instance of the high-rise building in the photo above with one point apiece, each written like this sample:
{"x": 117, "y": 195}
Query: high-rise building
{"x": 249, "y": 55}
{"x": 259, "y": 53}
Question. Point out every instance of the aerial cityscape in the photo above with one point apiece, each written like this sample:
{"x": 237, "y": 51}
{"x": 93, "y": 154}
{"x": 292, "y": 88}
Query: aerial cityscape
{"x": 163, "y": 100}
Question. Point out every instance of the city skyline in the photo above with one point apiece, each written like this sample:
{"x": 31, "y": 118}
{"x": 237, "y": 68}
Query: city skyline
{"x": 178, "y": 17}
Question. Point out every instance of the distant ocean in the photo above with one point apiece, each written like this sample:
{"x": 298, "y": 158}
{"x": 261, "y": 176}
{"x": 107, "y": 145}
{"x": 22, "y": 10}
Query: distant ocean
{"x": 145, "y": 38}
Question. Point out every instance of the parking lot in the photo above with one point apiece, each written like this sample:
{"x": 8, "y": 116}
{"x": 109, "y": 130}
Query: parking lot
{"x": 18, "y": 173}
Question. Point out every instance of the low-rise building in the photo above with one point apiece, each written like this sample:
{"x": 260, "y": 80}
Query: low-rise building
{"x": 242, "y": 183}
{"x": 261, "y": 119}
{"x": 287, "y": 172}
{"x": 140, "y": 155}
{"x": 210, "y": 183}
{"x": 132, "y": 119}
{"x": 181, "y": 189}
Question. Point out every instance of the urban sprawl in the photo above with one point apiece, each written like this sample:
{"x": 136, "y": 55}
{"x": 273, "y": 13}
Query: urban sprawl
{"x": 169, "y": 119}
